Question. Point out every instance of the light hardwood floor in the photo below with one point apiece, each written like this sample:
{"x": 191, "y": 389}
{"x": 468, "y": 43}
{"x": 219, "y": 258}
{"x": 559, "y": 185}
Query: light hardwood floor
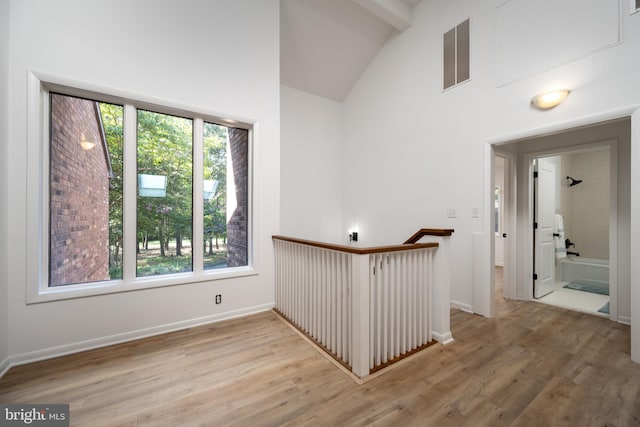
{"x": 532, "y": 365}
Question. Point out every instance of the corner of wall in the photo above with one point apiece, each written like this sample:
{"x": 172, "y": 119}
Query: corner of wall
{"x": 4, "y": 136}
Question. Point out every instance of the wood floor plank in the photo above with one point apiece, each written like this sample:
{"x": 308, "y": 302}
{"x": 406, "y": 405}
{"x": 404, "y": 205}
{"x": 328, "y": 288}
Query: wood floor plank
{"x": 531, "y": 365}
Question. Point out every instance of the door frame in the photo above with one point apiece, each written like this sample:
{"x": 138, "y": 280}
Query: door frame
{"x": 484, "y": 285}
{"x": 509, "y": 198}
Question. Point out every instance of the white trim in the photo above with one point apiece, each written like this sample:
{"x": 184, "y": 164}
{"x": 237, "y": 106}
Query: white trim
{"x": 129, "y": 172}
{"x": 625, "y": 320}
{"x": 634, "y": 278}
{"x": 461, "y": 306}
{"x": 37, "y": 289}
{"x": 558, "y": 127}
{"x": 198, "y": 195}
{"x": 140, "y": 283}
{"x": 509, "y": 196}
{"x": 632, "y": 7}
{"x": 613, "y": 229}
{"x": 444, "y": 338}
{"x": 63, "y": 350}
{"x": 484, "y": 244}
{"x": 118, "y": 96}
{"x": 5, "y": 365}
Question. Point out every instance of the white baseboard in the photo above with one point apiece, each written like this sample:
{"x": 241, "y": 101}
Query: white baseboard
{"x": 444, "y": 338}
{"x": 4, "y": 366}
{"x": 626, "y": 320}
{"x": 464, "y": 307}
{"x": 63, "y": 350}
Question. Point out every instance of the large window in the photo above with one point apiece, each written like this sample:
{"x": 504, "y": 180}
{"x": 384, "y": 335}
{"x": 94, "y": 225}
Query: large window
{"x": 188, "y": 218}
{"x": 85, "y": 197}
{"x": 165, "y": 208}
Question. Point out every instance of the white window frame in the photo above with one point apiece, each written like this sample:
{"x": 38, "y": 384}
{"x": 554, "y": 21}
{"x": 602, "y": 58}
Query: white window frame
{"x": 39, "y": 87}
{"x": 632, "y": 7}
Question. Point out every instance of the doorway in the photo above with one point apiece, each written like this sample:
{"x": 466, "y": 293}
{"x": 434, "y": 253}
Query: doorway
{"x": 614, "y": 134}
{"x": 622, "y": 125}
{"x": 571, "y": 229}
{"x": 502, "y": 221}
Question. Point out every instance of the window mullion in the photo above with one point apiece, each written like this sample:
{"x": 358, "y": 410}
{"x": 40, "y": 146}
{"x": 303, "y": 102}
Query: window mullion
{"x": 198, "y": 200}
{"x": 129, "y": 197}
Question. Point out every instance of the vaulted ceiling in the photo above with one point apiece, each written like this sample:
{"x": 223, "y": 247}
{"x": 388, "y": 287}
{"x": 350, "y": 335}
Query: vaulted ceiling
{"x": 325, "y": 45}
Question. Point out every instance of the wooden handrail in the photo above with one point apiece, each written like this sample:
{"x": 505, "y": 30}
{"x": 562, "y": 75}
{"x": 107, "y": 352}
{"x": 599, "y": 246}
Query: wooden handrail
{"x": 354, "y": 250}
{"x": 442, "y": 232}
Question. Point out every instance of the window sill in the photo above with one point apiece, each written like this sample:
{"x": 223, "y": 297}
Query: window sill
{"x": 67, "y": 292}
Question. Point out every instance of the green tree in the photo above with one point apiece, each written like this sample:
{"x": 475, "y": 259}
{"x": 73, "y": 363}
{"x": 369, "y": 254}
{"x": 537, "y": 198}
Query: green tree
{"x": 165, "y": 148}
{"x": 215, "y": 168}
{"x": 112, "y": 116}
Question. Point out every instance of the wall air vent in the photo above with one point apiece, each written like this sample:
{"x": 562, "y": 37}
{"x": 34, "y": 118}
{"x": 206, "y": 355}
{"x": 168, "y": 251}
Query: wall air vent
{"x": 456, "y": 55}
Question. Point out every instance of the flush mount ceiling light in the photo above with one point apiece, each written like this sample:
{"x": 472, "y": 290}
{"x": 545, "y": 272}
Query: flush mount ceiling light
{"x": 545, "y": 101}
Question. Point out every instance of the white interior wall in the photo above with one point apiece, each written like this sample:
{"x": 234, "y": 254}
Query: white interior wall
{"x": 310, "y": 166}
{"x": 419, "y": 150}
{"x": 4, "y": 181}
{"x": 225, "y": 59}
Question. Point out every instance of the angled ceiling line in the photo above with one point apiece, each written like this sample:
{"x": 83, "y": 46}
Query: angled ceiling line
{"x": 393, "y": 12}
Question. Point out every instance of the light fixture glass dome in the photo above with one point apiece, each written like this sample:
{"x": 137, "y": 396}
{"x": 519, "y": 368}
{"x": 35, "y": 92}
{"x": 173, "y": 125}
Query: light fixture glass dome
{"x": 547, "y": 100}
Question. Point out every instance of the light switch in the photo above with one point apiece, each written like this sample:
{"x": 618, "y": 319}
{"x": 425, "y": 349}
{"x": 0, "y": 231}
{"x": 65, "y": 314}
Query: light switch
{"x": 452, "y": 213}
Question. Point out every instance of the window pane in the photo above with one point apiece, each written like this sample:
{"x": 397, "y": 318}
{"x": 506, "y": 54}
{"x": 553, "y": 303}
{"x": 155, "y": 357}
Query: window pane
{"x": 165, "y": 169}
{"x": 226, "y": 190}
{"x": 85, "y": 198}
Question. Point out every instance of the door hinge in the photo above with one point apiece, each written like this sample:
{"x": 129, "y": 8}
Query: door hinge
{"x": 535, "y": 225}
{"x": 535, "y": 174}
{"x": 535, "y": 276}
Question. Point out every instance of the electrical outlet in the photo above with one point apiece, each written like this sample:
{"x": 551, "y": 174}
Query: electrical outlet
{"x": 475, "y": 212}
{"x": 218, "y": 299}
{"x": 452, "y": 213}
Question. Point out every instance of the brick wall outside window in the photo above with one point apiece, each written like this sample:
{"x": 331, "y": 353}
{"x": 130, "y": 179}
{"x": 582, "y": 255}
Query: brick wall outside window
{"x": 79, "y": 194}
{"x": 237, "y": 226}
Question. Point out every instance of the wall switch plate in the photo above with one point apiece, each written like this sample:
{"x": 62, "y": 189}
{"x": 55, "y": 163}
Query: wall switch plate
{"x": 452, "y": 213}
{"x": 475, "y": 212}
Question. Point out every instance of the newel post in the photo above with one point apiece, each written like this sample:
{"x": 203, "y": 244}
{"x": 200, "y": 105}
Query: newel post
{"x": 360, "y": 315}
{"x": 441, "y": 290}
{"x": 441, "y": 294}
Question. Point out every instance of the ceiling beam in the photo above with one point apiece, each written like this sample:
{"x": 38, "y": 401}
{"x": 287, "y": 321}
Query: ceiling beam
{"x": 393, "y": 12}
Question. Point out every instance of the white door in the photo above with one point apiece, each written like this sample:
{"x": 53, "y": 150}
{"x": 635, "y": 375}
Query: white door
{"x": 544, "y": 216}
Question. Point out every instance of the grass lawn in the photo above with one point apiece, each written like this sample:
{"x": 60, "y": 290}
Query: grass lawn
{"x": 151, "y": 263}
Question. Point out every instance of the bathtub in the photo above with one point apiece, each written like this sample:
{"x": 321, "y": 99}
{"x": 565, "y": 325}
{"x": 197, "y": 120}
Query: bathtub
{"x": 585, "y": 270}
